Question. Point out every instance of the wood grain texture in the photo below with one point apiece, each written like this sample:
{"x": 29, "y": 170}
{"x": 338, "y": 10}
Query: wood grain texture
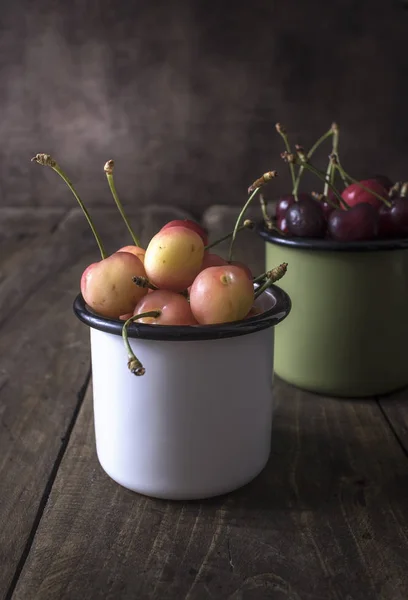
{"x": 44, "y": 362}
{"x": 326, "y": 520}
{"x": 395, "y": 409}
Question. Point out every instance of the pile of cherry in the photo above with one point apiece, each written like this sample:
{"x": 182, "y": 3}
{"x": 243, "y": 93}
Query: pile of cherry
{"x": 175, "y": 280}
{"x": 175, "y": 276}
{"x": 374, "y": 208}
{"x": 361, "y": 216}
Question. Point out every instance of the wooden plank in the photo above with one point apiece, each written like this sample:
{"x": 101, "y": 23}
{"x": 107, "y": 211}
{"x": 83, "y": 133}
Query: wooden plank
{"x": 19, "y": 227}
{"x": 31, "y": 262}
{"x": 395, "y": 409}
{"x": 26, "y": 263}
{"x": 44, "y": 366}
{"x": 326, "y": 520}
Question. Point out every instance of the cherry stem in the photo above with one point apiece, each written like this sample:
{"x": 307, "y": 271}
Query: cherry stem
{"x": 143, "y": 282}
{"x": 134, "y": 364}
{"x": 109, "y": 166}
{"x": 331, "y": 171}
{"x": 342, "y": 174}
{"x": 261, "y": 277}
{"x": 271, "y": 278}
{"x": 309, "y": 155}
{"x": 267, "y": 219}
{"x": 252, "y": 190}
{"x": 312, "y": 169}
{"x": 363, "y": 187}
{"x": 47, "y": 161}
{"x": 237, "y": 224}
{"x": 396, "y": 189}
{"x": 282, "y": 132}
{"x": 247, "y": 224}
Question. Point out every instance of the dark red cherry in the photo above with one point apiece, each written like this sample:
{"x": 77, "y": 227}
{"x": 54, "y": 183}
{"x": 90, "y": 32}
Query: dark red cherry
{"x": 327, "y": 208}
{"x": 399, "y": 216}
{"x": 354, "y": 194}
{"x": 394, "y": 219}
{"x": 285, "y": 201}
{"x": 305, "y": 218}
{"x": 283, "y": 204}
{"x": 386, "y": 227}
{"x": 361, "y": 222}
{"x": 282, "y": 224}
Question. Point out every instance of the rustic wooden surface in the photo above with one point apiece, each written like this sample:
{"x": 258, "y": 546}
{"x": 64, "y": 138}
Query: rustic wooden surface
{"x": 326, "y": 520}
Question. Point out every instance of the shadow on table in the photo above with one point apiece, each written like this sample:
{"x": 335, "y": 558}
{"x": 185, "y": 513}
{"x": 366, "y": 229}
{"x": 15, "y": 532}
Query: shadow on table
{"x": 313, "y": 475}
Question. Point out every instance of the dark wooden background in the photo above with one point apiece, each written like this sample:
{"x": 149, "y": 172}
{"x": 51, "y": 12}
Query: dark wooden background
{"x": 184, "y": 95}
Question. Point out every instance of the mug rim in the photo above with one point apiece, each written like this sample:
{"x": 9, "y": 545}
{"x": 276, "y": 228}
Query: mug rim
{"x": 375, "y": 245}
{"x": 269, "y": 318}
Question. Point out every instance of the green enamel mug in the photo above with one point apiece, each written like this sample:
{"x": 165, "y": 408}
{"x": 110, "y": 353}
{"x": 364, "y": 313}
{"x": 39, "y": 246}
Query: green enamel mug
{"x": 347, "y": 334}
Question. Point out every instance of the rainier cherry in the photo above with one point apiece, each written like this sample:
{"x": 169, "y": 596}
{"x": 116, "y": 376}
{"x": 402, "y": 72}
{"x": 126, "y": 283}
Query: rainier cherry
{"x": 212, "y": 260}
{"x": 354, "y": 194}
{"x": 107, "y": 285}
{"x": 189, "y": 225}
{"x": 174, "y": 309}
{"x": 253, "y": 312}
{"x": 173, "y": 258}
{"x": 136, "y": 250}
{"x": 221, "y": 294}
{"x": 243, "y": 266}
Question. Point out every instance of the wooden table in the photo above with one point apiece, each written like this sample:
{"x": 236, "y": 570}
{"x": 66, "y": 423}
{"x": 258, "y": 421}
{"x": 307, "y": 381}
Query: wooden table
{"x": 326, "y": 520}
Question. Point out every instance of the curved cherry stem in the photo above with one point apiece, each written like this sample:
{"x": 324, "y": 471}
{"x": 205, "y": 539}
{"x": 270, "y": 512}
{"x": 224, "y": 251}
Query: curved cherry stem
{"x": 271, "y": 277}
{"x": 337, "y": 166}
{"x": 109, "y": 166}
{"x": 282, "y": 132}
{"x": 267, "y": 219}
{"x": 238, "y": 222}
{"x": 247, "y": 224}
{"x": 134, "y": 364}
{"x": 343, "y": 175}
{"x": 309, "y": 155}
{"x": 331, "y": 171}
{"x": 47, "y": 161}
{"x": 252, "y": 190}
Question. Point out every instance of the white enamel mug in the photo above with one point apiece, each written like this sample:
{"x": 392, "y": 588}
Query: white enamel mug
{"x": 198, "y": 423}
